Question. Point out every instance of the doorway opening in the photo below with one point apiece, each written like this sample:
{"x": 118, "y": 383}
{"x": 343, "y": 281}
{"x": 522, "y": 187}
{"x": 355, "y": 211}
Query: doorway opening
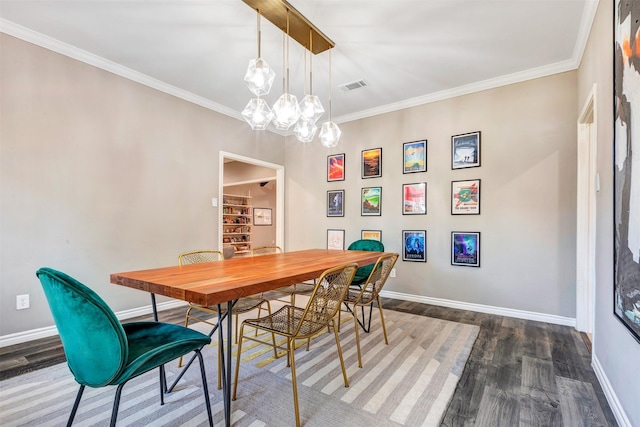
{"x": 241, "y": 173}
{"x": 587, "y": 186}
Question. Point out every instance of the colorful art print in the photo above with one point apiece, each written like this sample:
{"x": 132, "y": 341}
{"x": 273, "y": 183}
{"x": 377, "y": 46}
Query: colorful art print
{"x": 371, "y": 235}
{"x": 414, "y": 245}
{"x": 465, "y": 249}
{"x": 465, "y": 150}
{"x": 335, "y": 203}
{"x": 371, "y": 201}
{"x": 414, "y": 199}
{"x": 335, "y": 167}
{"x": 335, "y": 239}
{"x": 415, "y": 156}
{"x": 372, "y": 163}
{"x": 465, "y": 197}
{"x": 626, "y": 174}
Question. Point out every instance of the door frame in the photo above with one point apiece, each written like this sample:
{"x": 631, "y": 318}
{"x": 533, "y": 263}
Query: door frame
{"x": 586, "y": 188}
{"x": 279, "y": 171}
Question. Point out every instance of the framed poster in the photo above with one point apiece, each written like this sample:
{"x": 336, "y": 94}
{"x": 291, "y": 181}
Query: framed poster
{"x": 371, "y": 235}
{"x": 414, "y": 199}
{"x": 335, "y": 239}
{"x": 626, "y": 173}
{"x": 262, "y": 216}
{"x": 335, "y": 167}
{"x": 335, "y": 203}
{"x": 414, "y": 156}
{"x": 414, "y": 245}
{"x": 465, "y": 249}
{"x": 465, "y": 197}
{"x": 465, "y": 150}
{"x": 371, "y": 203}
{"x": 372, "y": 163}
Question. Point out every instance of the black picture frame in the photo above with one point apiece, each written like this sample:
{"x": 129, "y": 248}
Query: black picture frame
{"x": 414, "y": 245}
{"x": 335, "y": 239}
{"x": 465, "y": 197}
{"x": 465, "y": 248}
{"x": 335, "y": 167}
{"x": 371, "y": 201}
{"x": 414, "y": 198}
{"x": 371, "y": 163}
{"x": 465, "y": 150}
{"x": 414, "y": 156}
{"x": 626, "y": 249}
{"x": 335, "y": 203}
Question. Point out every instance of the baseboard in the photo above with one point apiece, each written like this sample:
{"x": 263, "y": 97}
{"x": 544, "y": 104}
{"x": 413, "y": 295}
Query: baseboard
{"x": 500, "y": 311}
{"x": 610, "y": 394}
{"x": 50, "y": 331}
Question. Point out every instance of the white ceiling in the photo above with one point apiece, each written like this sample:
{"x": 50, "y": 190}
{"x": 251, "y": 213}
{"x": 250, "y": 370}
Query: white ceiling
{"x": 408, "y": 51}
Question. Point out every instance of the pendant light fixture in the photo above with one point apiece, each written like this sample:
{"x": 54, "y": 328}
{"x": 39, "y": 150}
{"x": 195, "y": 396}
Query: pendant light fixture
{"x": 259, "y": 79}
{"x": 310, "y": 107}
{"x": 330, "y": 132}
{"x": 286, "y": 110}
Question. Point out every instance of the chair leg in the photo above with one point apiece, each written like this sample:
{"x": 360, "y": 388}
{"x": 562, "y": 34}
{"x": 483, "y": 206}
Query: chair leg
{"x": 355, "y": 325}
{"x": 292, "y": 346}
{"x": 163, "y": 383}
{"x": 186, "y": 325}
{"x": 219, "y": 370}
{"x": 384, "y": 329}
{"x": 205, "y": 388}
{"x": 235, "y": 382}
{"x": 344, "y": 370}
{"x": 116, "y": 405}
{"x": 75, "y": 406}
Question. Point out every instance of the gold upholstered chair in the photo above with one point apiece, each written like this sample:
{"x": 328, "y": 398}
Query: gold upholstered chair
{"x": 243, "y": 305}
{"x": 291, "y": 290}
{"x": 296, "y": 323}
{"x": 366, "y": 294}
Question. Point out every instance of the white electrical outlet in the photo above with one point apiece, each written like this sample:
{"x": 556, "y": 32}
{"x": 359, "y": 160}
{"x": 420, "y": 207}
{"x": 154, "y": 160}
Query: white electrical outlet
{"x": 22, "y": 302}
{"x": 393, "y": 273}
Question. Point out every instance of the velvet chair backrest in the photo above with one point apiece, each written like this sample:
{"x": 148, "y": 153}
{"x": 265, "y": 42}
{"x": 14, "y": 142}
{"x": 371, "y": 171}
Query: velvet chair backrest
{"x": 94, "y": 341}
{"x": 365, "y": 245}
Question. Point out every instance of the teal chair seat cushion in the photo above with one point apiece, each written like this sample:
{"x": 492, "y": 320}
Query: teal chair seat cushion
{"x": 364, "y": 245}
{"x": 152, "y": 344}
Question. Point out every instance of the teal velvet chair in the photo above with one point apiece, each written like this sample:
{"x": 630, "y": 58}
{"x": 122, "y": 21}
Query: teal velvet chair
{"x": 101, "y": 351}
{"x": 364, "y": 245}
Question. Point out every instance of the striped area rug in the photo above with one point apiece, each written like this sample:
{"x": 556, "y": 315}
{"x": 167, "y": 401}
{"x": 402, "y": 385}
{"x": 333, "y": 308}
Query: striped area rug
{"x": 406, "y": 383}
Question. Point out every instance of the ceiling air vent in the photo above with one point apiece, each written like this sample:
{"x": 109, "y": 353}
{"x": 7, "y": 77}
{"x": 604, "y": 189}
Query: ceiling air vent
{"x": 348, "y": 87}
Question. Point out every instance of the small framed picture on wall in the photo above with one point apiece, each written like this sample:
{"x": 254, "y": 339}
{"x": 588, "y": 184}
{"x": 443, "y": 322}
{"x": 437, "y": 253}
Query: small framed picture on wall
{"x": 335, "y": 239}
{"x": 371, "y": 235}
{"x": 465, "y": 150}
{"x": 372, "y": 163}
{"x": 335, "y": 203}
{"x": 465, "y": 248}
{"x": 414, "y": 156}
{"x": 414, "y": 245}
{"x": 371, "y": 204}
{"x": 465, "y": 197}
{"x": 414, "y": 199}
{"x": 335, "y": 167}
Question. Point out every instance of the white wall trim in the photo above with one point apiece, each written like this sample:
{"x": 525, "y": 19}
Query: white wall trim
{"x": 500, "y": 311}
{"x": 49, "y": 331}
{"x": 610, "y": 394}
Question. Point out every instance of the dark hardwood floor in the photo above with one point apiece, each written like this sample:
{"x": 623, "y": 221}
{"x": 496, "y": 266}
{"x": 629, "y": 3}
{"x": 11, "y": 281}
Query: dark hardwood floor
{"x": 520, "y": 372}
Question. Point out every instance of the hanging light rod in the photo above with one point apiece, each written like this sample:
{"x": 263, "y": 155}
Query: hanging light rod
{"x": 275, "y": 11}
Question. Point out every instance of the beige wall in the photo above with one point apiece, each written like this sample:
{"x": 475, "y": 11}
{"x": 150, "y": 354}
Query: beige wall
{"x": 527, "y": 219}
{"x": 616, "y": 353}
{"x": 100, "y": 174}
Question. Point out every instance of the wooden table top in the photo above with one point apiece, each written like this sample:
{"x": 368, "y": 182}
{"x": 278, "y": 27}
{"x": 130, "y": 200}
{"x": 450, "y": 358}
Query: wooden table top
{"x": 222, "y": 281}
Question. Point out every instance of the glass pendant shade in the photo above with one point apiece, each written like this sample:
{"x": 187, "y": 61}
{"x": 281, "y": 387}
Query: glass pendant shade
{"x": 330, "y": 134}
{"x": 286, "y": 111}
{"x": 311, "y": 108}
{"x": 305, "y": 130}
{"x": 258, "y": 114}
{"x": 259, "y": 77}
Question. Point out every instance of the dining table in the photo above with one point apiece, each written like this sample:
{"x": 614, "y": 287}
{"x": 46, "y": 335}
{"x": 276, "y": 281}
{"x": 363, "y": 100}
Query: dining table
{"x": 224, "y": 282}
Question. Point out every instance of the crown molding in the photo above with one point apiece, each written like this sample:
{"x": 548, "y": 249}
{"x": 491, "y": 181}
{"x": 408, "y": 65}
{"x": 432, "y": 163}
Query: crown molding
{"x": 65, "y": 49}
